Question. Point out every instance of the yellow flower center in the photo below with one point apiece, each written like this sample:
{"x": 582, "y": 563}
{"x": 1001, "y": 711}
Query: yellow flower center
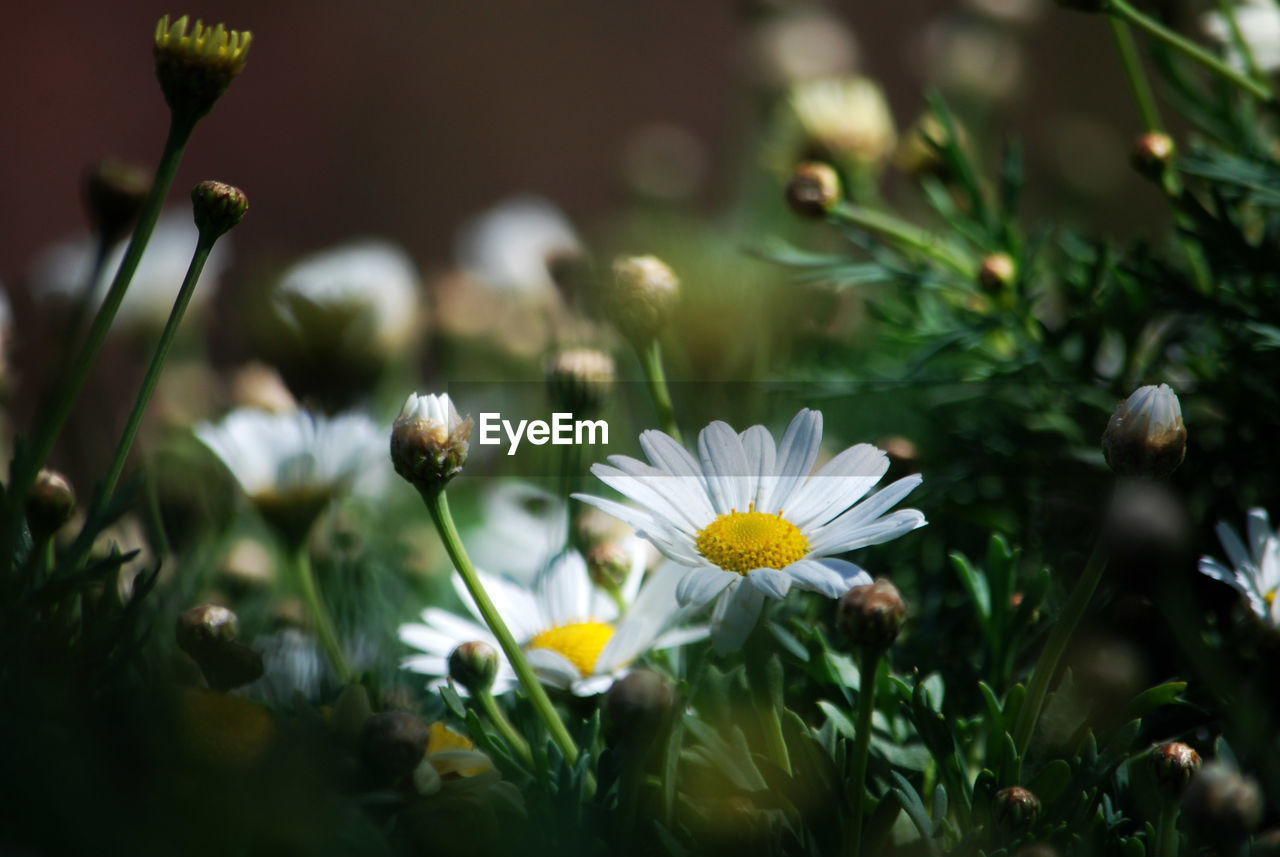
{"x": 1270, "y": 598}
{"x": 580, "y": 643}
{"x": 742, "y": 541}
{"x": 441, "y": 738}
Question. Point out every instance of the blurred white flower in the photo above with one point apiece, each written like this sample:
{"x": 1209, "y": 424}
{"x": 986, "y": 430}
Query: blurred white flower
{"x": 842, "y": 119}
{"x": 749, "y": 521}
{"x": 803, "y": 44}
{"x": 62, "y": 270}
{"x": 361, "y": 297}
{"x": 1259, "y": 22}
{"x": 508, "y": 247}
{"x": 523, "y": 528}
{"x": 1255, "y": 571}
{"x": 570, "y": 630}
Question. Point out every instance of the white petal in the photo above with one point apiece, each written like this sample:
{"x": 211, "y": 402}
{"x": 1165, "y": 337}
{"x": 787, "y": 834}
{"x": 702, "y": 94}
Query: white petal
{"x": 1210, "y": 567}
{"x": 724, "y": 463}
{"x": 682, "y": 636}
{"x": 821, "y": 576}
{"x": 773, "y": 582}
{"x": 552, "y": 667}
{"x": 797, "y": 452}
{"x": 515, "y": 604}
{"x": 638, "y": 520}
{"x": 653, "y": 491}
{"x": 1258, "y": 528}
{"x": 565, "y": 590}
{"x": 838, "y": 539}
{"x": 761, "y": 456}
{"x": 700, "y": 585}
{"x": 735, "y": 616}
{"x": 840, "y": 483}
{"x": 1233, "y": 546}
{"x": 426, "y": 664}
{"x": 653, "y": 610}
{"x": 592, "y": 685}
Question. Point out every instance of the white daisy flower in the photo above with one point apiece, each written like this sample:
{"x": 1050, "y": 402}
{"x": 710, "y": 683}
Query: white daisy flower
{"x": 749, "y": 521}
{"x": 292, "y": 465}
{"x": 569, "y": 629}
{"x": 1259, "y": 22}
{"x": 361, "y": 296}
{"x": 1256, "y": 568}
{"x": 509, "y": 246}
{"x": 62, "y": 270}
{"x": 523, "y": 529}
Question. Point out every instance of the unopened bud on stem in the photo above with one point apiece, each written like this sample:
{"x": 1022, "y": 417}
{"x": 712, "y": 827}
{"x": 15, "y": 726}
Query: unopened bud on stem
{"x": 429, "y": 441}
{"x": 1145, "y": 436}
{"x": 814, "y": 189}
{"x": 113, "y": 195}
{"x": 644, "y": 293}
{"x": 1017, "y": 808}
{"x": 1174, "y": 764}
{"x": 637, "y": 707}
{"x": 872, "y": 616}
{"x": 217, "y": 207}
{"x": 997, "y": 273}
{"x": 1153, "y": 155}
{"x": 208, "y": 634}
{"x": 51, "y": 503}
{"x": 195, "y": 68}
{"x": 474, "y": 665}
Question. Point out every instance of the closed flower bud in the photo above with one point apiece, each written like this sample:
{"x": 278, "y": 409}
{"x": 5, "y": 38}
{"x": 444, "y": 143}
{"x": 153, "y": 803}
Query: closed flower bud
{"x": 393, "y": 743}
{"x": 429, "y": 441}
{"x": 579, "y": 380}
{"x": 1145, "y": 436}
{"x": 1153, "y": 154}
{"x": 645, "y": 291}
{"x": 113, "y": 195}
{"x": 609, "y": 564}
{"x": 1016, "y": 808}
{"x": 208, "y": 634}
{"x": 195, "y": 68}
{"x": 50, "y": 504}
{"x": 814, "y": 189}
{"x": 218, "y": 207}
{"x": 638, "y": 707}
{"x": 998, "y": 272}
{"x": 1174, "y": 764}
{"x": 872, "y": 615}
{"x": 474, "y": 665}
{"x": 1220, "y": 805}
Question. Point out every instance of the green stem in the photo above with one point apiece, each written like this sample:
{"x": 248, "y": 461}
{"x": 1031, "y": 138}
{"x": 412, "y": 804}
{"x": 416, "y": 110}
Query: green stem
{"x": 1237, "y": 37}
{"x": 651, "y": 362}
{"x": 499, "y": 720}
{"x": 58, "y": 406}
{"x": 1168, "y": 846}
{"x": 1137, "y": 76}
{"x": 204, "y": 246}
{"x": 905, "y": 234}
{"x": 1122, "y": 10}
{"x": 319, "y": 613}
{"x": 438, "y": 505}
{"x": 1056, "y": 645}
{"x": 869, "y": 666}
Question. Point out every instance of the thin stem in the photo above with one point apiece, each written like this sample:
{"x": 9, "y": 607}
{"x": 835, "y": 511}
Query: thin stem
{"x": 868, "y": 667}
{"x": 651, "y": 362}
{"x": 905, "y": 234}
{"x": 1122, "y": 10}
{"x": 438, "y": 505}
{"x": 1133, "y": 70}
{"x": 204, "y": 246}
{"x": 1056, "y": 645}
{"x": 61, "y": 399}
{"x": 1168, "y": 842}
{"x": 319, "y": 613}
{"x": 1228, "y": 13}
{"x": 499, "y": 720}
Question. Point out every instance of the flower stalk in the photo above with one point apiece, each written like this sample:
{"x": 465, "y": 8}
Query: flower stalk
{"x": 868, "y": 667}
{"x": 300, "y": 559}
{"x": 904, "y": 234}
{"x": 513, "y": 738}
{"x": 651, "y": 362}
{"x": 1136, "y": 75}
{"x": 438, "y": 506}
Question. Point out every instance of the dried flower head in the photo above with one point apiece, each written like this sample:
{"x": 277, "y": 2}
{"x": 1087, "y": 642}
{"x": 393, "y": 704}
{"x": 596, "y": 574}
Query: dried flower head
{"x": 195, "y": 68}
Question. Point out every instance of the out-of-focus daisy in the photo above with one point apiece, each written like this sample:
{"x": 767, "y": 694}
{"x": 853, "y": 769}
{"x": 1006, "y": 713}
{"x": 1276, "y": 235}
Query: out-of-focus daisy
{"x": 569, "y": 629}
{"x": 845, "y": 120}
{"x": 1259, "y": 22}
{"x": 749, "y": 521}
{"x": 1255, "y": 571}
{"x": 523, "y": 528}
{"x": 449, "y": 756}
{"x": 292, "y": 465}
{"x": 361, "y": 296}
{"x": 510, "y": 247}
{"x": 801, "y": 44}
{"x": 62, "y": 270}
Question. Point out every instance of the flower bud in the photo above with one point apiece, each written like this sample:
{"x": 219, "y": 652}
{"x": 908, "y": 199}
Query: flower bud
{"x": 393, "y": 743}
{"x": 814, "y": 189}
{"x": 1016, "y": 808}
{"x": 195, "y": 69}
{"x": 638, "y": 707}
{"x": 998, "y": 272}
{"x": 217, "y": 207}
{"x": 645, "y": 291}
{"x": 579, "y": 380}
{"x": 208, "y": 634}
{"x": 1145, "y": 436}
{"x": 609, "y": 565}
{"x": 1153, "y": 154}
{"x": 51, "y": 503}
{"x": 474, "y": 665}
{"x": 1220, "y": 805}
{"x": 113, "y": 195}
{"x": 1174, "y": 764}
{"x": 872, "y": 615}
{"x": 429, "y": 441}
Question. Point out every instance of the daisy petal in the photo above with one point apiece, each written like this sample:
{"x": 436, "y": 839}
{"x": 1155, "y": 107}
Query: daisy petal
{"x": 700, "y": 585}
{"x": 724, "y": 462}
{"x": 553, "y": 667}
{"x": 858, "y": 535}
{"x": 773, "y": 582}
{"x": 796, "y": 454}
{"x": 565, "y": 589}
{"x": 819, "y": 576}
{"x": 840, "y": 483}
{"x": 761, "y": 457}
